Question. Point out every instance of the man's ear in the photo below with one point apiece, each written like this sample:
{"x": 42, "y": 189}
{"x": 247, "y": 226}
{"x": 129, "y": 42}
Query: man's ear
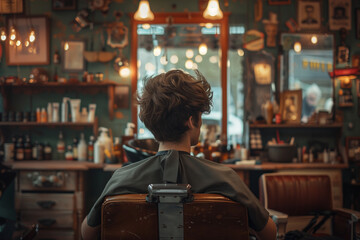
{"x": 190, "y": 122}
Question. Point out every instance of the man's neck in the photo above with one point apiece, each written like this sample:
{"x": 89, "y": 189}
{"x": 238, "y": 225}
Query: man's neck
{"x": 178, "y": 146}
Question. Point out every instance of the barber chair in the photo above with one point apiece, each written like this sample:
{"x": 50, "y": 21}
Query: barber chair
{"x": 302, "y": 197}
{"x": 139, "y": 149}
{"x": 171, "y": 211}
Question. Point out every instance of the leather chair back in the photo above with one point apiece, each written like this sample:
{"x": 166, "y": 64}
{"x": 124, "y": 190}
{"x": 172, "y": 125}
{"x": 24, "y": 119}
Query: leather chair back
{"x": 208, "y": 216}
{"x": 296, "y": 195}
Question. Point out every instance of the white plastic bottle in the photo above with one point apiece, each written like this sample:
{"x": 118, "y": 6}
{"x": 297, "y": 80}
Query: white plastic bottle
{"x": 103, "y": 144}
{"x": 65, "y": 110}
{"x": 129, "y": 131}
{"x": 99, "y": 155}
{"x": 82, "y": 148}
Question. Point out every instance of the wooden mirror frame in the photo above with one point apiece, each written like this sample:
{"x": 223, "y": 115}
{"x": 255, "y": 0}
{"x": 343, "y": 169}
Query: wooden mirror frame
{"x": 183, "y": 18}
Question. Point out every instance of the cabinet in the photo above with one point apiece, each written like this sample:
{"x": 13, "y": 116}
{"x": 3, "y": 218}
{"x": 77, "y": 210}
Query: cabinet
{"x": 304, "y": 135}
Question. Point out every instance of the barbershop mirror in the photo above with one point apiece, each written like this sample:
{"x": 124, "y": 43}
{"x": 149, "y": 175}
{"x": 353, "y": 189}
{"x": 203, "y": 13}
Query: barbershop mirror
{"x": 306, "y": 63}
{"x": 189, "y": 42}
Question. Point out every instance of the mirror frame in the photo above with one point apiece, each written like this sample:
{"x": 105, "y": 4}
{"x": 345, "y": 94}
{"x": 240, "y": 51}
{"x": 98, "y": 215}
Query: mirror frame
{"x": 183, "y": 18}
{"x": 281, "y": 79}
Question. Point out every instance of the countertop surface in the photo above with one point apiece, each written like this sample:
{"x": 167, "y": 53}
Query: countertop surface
{"x": 83, "y": 166}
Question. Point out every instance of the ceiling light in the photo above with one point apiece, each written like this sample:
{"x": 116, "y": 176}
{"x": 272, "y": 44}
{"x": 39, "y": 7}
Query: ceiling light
{"x": 198, "y": 59}
{"x": 213, "y": 11}
{"x": 12, "y": 33}
{"x": 157, "y": 51}
{"x": 189, "y": 53}
{"x": 124, "y": 71}
{"x": 240, "y": 52}
{"x": 32, "y": 35}
{"x": 3, "y": 34}
{"x": 174, "y": 59}
{"x": 163, "y": 60}
{"x": 144, "y": 12}
{"x": 189, "y": 64}
{"x": 146, "y": 26}
{"x": 297, "y": 47}
{"x": 314, "y": 39}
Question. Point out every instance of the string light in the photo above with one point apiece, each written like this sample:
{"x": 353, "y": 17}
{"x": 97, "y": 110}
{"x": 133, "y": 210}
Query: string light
{"x": 12, "y": 33}
{"x": 32, "y": 35}
{"x": 3, "y": 34}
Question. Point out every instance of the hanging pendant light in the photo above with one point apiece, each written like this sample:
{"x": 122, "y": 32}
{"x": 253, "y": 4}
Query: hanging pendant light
{"x": 3, "y": 34}
{"x": 144, "y": 12}
{"x": 213, "y": 11}
{"x": 32, "y": 35}
{"x": 203, "y": 48}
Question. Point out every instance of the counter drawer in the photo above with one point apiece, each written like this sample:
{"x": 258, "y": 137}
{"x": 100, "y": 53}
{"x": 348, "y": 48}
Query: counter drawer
{"x": 55, "y": 235}
{"x": 47, "y": 180}
{"x": 48, "y": 219}
{"x": 46, "y": 201}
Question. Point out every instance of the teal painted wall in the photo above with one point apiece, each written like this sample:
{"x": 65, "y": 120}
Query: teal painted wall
{"x": 242, "y": 11}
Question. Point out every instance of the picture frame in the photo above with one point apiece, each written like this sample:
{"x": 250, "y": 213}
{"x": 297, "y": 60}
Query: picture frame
{"x": 12, "y": 7}
{"x": 121, "y": 97}
{"x": 62, "y": 5}
{"x": 309, "y": 14}
{"x": 352, "y": 144}
{"x": 278, "y": 2}
{"x": 291, "y": 106}
{"x": 339, "y": 14}
{"x": 73, "y": 55}
{"x": 36, "y": 53}
{"x": 358, "y": 87}
{"x": 357, "y": 22}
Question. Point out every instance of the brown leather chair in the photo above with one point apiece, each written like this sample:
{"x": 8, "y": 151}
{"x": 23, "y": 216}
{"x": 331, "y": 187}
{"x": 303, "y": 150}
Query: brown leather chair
{"x": 195, "y": 216}
{"x": 299, "y": 196}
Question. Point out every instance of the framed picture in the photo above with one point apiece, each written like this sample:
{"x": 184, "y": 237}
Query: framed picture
{"x": 353, "y": 148}
{"x": 73, "y": 55}
{"x": 121, "y": 97}
{"x": 357, "y": 22}
{"x": 21, "y": 51}
{"x": 58, "y": 5}
{"x": 309, "y": 14}
{"x": 342, "y": 54}
{"x": 291, "y": 105}
{"x": 339, "y": 14}
{"x": 358, "y": 87}
{"x": 11, "y": 6}
{"x": 278, "y": 2}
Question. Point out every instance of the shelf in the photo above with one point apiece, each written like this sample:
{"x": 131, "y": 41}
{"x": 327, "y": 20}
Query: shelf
{"x": 94, "y": 124}
{"x": 305, "y": 125}
{"x": 90, "y": 88}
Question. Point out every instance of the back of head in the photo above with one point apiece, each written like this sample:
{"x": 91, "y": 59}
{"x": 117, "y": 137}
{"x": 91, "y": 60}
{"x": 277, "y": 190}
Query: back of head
{"x": 169, "y": 99}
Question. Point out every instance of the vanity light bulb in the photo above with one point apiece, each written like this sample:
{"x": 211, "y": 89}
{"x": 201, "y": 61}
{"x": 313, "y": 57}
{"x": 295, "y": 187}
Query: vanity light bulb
{"x": 203, "y": 49}
{"x": 124, "y": 71}
{"x": 32, "y": 36}
{"x": 189, "y": 53}
{"x": 3, "y": 35}
{"x": 297, "y": 47}
{"x": 157, "y": 51}
{"x": 314, "y": 40}
{"x": 12, "y": 34}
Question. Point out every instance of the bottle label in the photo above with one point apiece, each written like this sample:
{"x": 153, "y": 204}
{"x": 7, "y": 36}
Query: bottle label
{"x": 60, "y": 148}
{"x": 19, "y": 154}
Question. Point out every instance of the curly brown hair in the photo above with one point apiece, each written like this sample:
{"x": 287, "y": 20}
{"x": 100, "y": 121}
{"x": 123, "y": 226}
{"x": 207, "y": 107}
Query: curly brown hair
{"x": 169, "y": 99}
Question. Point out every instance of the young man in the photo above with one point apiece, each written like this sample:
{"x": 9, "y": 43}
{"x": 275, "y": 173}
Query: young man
{"x": 170, "y": 107}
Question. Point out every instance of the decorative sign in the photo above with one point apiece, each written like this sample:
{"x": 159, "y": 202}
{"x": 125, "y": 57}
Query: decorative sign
{"x": 253, "y": 40}
{"x": 339, "y": 14}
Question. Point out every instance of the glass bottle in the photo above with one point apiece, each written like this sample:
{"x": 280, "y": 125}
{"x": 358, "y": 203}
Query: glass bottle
{"x": 75, "y": 149}
{"x": 90, "y": 155}
{"x": 28, "y": 148}
{"x": 117, "y": 150}
{"x": 47, "y": 151}
{"x": 60, "y": 147}
{"x": 69, "y": 153}
{"x": 19, "y": 149}
{"x": 40, "y": 151}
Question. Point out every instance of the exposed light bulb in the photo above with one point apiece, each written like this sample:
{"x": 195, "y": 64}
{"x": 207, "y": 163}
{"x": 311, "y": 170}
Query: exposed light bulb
{"x": 124, "y": 71}
{"x": 198, "y": 58}
{"x": 240, "y": 52}
{"x": 163, "y": 60}
{"x": 66, "y": 46}
{"x": 146, "y": 26}
{"x": 209, "y": 25}
{"x": 189, "y": 53}
{"x": 203, "y": 49}
{"x": 144, "y": 13}
{"x": 27, "y": 43}
{"x": 314, "y": 40}
{"x": 3, "y": 35}
{"x": 213, "y": 11}
{"x": 189, "y": 64}
{"x": 18, "y": 43}
{"x": 12, "y": 34}
{"x": 32, "y": 35}
{"x": 157, "y": 51}
{"x": 174, "y": 59}
{"x": 297, "y": 47}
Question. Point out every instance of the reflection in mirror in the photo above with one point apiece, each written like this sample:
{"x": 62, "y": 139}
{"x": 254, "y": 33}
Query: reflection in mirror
{"x": 307, "y": 59}
{"x": 163, "y": 47}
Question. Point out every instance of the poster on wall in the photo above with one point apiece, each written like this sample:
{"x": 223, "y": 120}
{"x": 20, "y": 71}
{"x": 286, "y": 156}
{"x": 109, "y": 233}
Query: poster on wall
{"x": 309, "y": 14}
{"x": 339, "y": 14}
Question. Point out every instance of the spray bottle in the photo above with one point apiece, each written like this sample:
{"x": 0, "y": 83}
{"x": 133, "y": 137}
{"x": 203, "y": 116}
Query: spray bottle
{"x": 102, "y": 146}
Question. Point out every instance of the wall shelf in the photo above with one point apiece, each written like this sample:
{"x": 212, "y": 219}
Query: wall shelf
{"x": 34, "y": 88}
{"x": 332, "y": 125}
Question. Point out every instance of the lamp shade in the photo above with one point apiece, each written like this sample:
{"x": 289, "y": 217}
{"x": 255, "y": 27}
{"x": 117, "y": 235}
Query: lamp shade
{"x": 213, "y": 11}
{"x": 144, "y": 12}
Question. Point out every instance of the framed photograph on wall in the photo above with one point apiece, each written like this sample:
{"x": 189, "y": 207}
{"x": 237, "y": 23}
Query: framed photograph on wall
{"x": 357, "y": 22}
{"x": 11, "y": 6}
{"x": 309, "y": 14}
{"x": 59, "y": 5}
{"x": 339, "y": 14}
{"x": 73, "y": 55}
{"x": 279, "y": 2}
{"x": 353, "y": 148}
{"x": 21, "y": 51}
{"x": 291, "y": 106}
